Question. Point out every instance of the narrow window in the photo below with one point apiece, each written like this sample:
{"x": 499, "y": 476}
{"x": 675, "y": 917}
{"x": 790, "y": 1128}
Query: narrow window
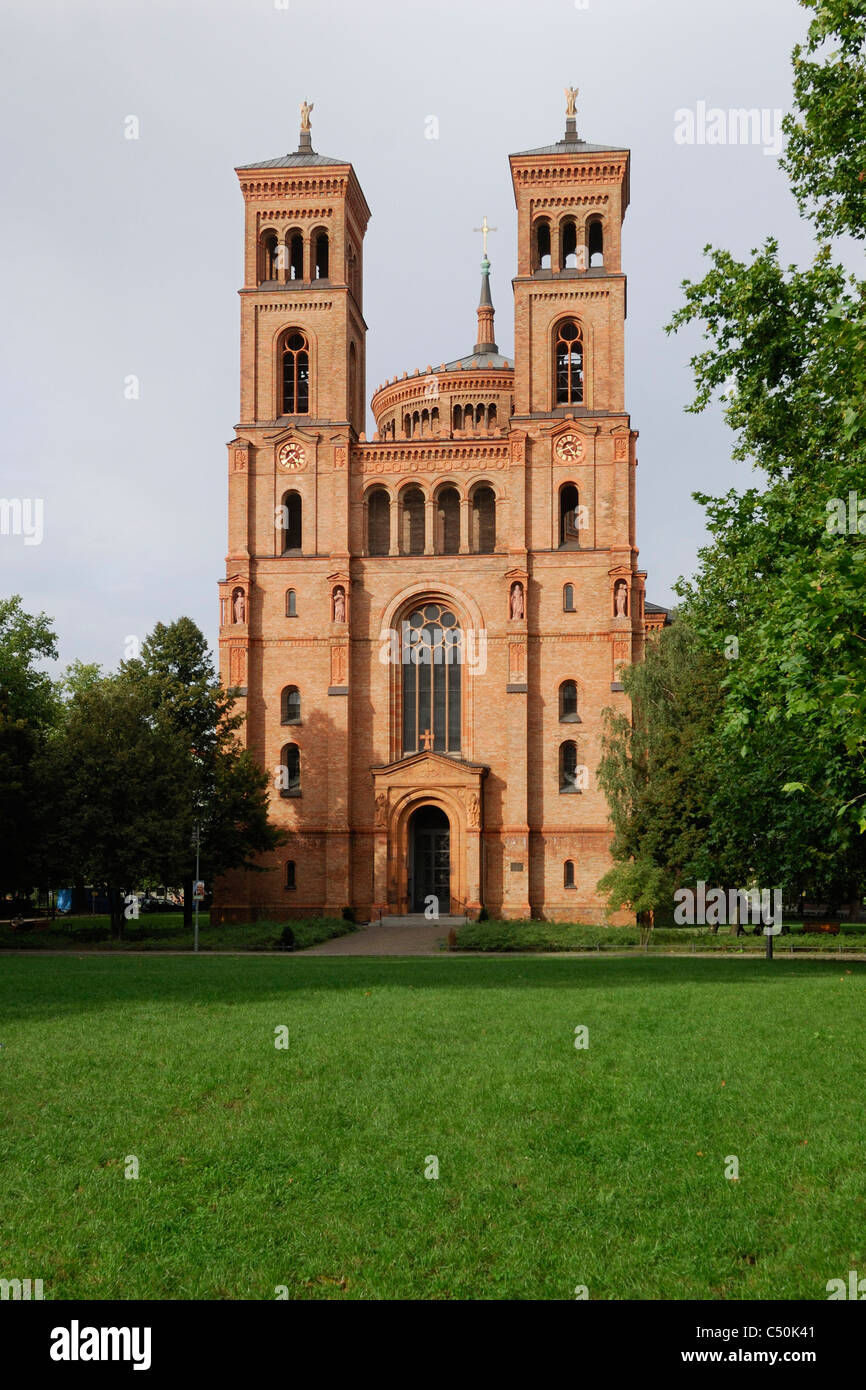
{"x": 269, "y": 256}
{"x": 290, "y": 873}
{"x": 568, "y": 876}
{"x": 491, "y": 417}
{"x": 568, "y": 598}
{"x": 296, "y": 375}
{"x": 568, "y": 354}
{"x": 296, "y": 256}
{"x": 291, "y": 705}
{"x": 542, "y": 245}
{"x": 292, "y": 531}
{"x": 568, "y": 767}
{"x": 291, "y": 770}
{"x": 320, "y": 252}
{"x": 457, "y": 421}
{"x": 568, "y": 233}
{"x": 291, "y": 604}
{"x": 569, "y": 517}
{"x": 596, "y": 244}
{"x": 568, "y": 702}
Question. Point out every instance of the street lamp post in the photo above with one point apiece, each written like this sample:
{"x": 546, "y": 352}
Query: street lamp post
{"x": 197, "y": 842}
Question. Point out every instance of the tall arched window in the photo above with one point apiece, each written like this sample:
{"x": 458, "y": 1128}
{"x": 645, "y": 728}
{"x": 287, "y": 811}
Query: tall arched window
{"x": 483, "y": 521}
{"x": 353, "y": 381}
{"x": 568, "y": 598}
{"x": 412, "y": 522}
{"x": 568, "y": 874}
{"x": 541, "y": 245}
{"x": 320, "y": 256}
{"x": 292, "y": 527}
{"x": 290, "y": 705}
{"x": 569, "y": 516}
{"x": 595, "y": 247}
{"x": 457, "y": 418}
{"x": 296, "y": 256}
{"x": 296, "y": 374}
{"x": 290, "y": 873}
{"x": 291, "y": 604}
{"x": 290, "y": 770}
{"x": 270, "y": 260}
{"x": 568, "y": 703}
{"x": 432, "y": 661}
{"x": 568, "y": 362}
{"x": 378, "y": 522}
{"x": 448, "y": 521}
{"x": 568, "y": 767}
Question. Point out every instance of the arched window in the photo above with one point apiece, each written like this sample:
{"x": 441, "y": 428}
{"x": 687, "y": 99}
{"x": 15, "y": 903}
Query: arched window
{"x": 568, "y": 244}
{"x": 290, "y": 705}
{"x": 541, "y": 245}
{"x": 457, "y": 418}
{"x": 296, "y": 374}
{"x": 412, "y": 521}
{"x": 595, "y": 247}
{"x": 483, "y": 521}
{"x": 290, "y": 770}
{"x": 320, "y": 256}
{"x": 296, "y": 256}
{"x": 568, "y": 361}
{"x": 291, "y": 604}
{"x": 407, "y": 426}
{"x": 568, "y": 703}
{"x": 568, "y": 767}
{"x": 378, "y": 522}
{"x": 448, "y": 521}
{"x": 568, "y": 874}
{"x": 569, "y": 516}
{"x": 291, "y": 518}
{"x": 434, "y": 419}
{"x": 290, "y": 873}
{"x": 491, "y": 417}
{"x": 269, "y": 256}
{"x": 432, "y": 660}
{"x": 468, "y": 419}
{"x": 568, "y": 598}
{"x": 353, "y": 381}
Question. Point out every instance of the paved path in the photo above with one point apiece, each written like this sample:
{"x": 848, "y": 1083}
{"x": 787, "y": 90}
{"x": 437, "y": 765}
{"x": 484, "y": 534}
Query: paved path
{"x": 398, "y": 939}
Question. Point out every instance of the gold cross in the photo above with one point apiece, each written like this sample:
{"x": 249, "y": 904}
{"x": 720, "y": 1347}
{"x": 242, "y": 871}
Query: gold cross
{"x": 484, "y": 229}
{"x": 427, "y": 739}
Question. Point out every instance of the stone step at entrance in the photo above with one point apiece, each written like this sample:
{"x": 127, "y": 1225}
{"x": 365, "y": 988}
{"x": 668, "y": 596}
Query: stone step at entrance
{"x": 417, "y": 919}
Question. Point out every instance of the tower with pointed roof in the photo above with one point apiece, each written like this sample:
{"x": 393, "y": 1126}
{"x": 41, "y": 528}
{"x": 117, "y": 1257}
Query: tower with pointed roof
{"x": 424, "y": 627}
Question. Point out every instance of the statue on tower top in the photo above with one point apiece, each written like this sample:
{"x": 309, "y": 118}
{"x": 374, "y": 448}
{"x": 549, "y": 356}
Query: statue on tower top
{"x": 306, "y": 108}
{"x": 571, "y": 95}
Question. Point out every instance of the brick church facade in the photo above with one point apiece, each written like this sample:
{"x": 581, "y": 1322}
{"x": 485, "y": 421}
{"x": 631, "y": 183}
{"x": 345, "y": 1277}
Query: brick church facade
{"x": 425, "y": 627}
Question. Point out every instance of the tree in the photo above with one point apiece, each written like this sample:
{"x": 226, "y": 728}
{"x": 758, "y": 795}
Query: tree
{"x": 782, "y": 575}
{"x": 28, "y": 706}
{"x": 227, "y": 789}
{"x": 118, "y": 789}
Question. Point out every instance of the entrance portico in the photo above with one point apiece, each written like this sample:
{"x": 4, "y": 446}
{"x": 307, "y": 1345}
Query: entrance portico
{"x": 428, "y": 834}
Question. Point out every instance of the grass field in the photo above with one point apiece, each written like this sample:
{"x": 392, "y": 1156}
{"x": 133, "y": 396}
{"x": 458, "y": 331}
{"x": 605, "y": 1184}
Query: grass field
{"x": 305, "y": 1167}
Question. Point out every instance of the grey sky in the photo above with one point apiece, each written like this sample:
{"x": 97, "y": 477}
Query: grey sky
{"x": 124, "y": 257}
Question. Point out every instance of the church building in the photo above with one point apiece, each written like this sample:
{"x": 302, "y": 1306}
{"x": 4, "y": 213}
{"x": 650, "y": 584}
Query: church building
{"x": 424, "y": 627}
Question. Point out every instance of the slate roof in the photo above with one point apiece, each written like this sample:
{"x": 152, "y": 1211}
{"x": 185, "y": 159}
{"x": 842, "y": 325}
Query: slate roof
{"x": 572, "y": 147}
{"x": 288, "y": 161}
{"x": 480, "y": 361}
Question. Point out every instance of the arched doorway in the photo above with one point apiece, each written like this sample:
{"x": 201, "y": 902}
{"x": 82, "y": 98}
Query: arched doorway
{"x": 429, "y": 859}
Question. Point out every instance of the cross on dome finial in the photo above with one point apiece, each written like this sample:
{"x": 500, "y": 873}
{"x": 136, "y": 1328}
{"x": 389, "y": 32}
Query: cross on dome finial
{"x": 484, "y": 229}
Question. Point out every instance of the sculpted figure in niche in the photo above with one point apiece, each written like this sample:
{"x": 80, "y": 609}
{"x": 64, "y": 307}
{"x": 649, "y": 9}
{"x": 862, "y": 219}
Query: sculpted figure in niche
{"x": 517, "y": 601}
{"x": 339, "y": 605}
{"x": 620, "y": 599}
{"x": 474, "y": 811}
{"x": 381, "y": 808}
{"x": 240, "y": 606}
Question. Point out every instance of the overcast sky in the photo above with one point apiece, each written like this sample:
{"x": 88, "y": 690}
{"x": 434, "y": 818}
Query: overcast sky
{"x": 123, "y": 257}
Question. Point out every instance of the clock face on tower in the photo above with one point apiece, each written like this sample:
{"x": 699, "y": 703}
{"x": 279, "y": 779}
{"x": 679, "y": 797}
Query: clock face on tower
{"x": 570, "y": 447}
{"x": 292, "y": 458}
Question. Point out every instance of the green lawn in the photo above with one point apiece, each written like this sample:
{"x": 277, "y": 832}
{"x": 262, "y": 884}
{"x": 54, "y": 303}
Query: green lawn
{"x": 305, "y": 1167}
